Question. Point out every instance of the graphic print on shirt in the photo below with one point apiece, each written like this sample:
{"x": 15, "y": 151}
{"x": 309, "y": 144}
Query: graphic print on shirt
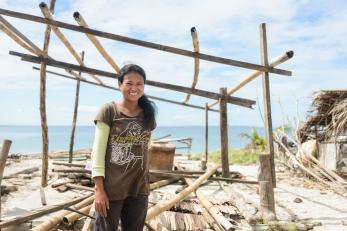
{"x": 123, "y": 145}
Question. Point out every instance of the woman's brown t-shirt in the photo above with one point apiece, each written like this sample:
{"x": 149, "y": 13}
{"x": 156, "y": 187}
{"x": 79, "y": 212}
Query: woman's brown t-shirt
{"x": 126, "y": 160}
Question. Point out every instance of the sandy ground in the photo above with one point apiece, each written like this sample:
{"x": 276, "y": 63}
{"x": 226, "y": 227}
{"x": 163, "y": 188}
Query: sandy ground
{"x": 318, "y": 203}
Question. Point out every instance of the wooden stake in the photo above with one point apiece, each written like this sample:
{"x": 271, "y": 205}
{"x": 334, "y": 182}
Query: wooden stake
{"x": 80, "y": 20}
{"x": 196, "y": 61}
{"x": 254, "y": 74}
{"x": 266, "y": 193}
{"x": 204, "y": 160}
{"x": 72, "y": 137}
{"x": 88, "y": 222}
{"x": 143, "y": 43}
{"x": 5, "y": 148}
{"x": 224, "y": 133}
{"x": 163, "y": 206}
{"x": 44, "y": 126}
{"x": 267, "y": 102}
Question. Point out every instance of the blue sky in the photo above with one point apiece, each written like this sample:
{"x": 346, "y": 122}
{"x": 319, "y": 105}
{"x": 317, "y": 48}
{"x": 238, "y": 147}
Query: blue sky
{"x": 315, "y": 30}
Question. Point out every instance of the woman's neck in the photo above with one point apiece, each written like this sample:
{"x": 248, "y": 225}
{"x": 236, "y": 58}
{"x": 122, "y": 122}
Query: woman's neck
{"x": 129, "y": 106}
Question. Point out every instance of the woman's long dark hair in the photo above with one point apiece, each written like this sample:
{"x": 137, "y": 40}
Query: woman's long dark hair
{"x": 148, "y": 106}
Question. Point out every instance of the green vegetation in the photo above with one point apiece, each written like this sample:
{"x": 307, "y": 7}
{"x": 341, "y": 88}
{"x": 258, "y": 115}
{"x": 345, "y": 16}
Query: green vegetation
{"x": 256, "y": 140}
{"x": 236, "y": 156}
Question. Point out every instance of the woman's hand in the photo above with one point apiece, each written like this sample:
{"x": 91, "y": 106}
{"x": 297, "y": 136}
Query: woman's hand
{"x": 101, "y": 201}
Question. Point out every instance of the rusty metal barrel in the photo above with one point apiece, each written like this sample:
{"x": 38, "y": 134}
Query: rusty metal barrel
{"x": 161, "y": 157}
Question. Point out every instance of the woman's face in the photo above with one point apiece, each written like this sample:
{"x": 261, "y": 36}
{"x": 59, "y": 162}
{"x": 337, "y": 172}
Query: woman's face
{"x": 132, "y": 87}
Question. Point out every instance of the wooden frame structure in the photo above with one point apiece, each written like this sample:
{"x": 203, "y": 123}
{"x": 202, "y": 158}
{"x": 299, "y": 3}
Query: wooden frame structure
{"x": 267, "y": 177}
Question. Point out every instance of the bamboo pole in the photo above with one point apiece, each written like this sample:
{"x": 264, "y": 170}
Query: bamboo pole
{"x": 76, "y": 186}
{"x": 138, "y": 42}
{"x": 88, "y": 222}
{"x": 44, "y": 126}
{"x": 74, "y": 119}
{"x": 69, "y": 164}
{"x": 39, "y": 212}
{"x": 63, "y": 39}
{"x": 267, "y": 102}
{"x": 80, "y": 20}
{"x": 161, "y": 207}
{"x": 69, "y": 170}
{"x": 5, "y": 148}
{"x": 16, "y": 39}
{"x": 162, "y": 183}
{"x": 224, "y": 134}
{"x": 32, "y": 47}
{"x": 58, "y": 218}
{"x": 230, "y": 99}
{"x": 215, "y": 215}
{"x": 196, "y": 61}
{"x": 117, "y": 89}
{"x": 254, "y": 74}
{"x": 72, "y": 217}
{"x": 226, "y": 179}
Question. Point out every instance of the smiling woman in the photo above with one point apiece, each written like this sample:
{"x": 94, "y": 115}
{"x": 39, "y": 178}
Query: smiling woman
{"x": 119, "y": 157}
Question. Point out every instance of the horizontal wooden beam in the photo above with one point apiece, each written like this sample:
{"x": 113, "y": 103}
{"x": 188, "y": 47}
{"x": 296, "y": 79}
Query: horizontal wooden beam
{"x": 117, "y": 89}
{"x": 230, "y": 99}
{"x": 146, "y": 44}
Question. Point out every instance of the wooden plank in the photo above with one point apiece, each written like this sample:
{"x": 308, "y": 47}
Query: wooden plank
{"x": 267, "y": 102}
{"x": 254, "y": 74}
{"x": 117, "y": 89}
{"x": 230, "y": 99}
{"x": 224, "y": 134}
{"x": 138, "y": 42}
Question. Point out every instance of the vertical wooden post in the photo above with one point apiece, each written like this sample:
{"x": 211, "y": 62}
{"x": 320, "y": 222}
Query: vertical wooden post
{"x": 267, "y": 179}
{"x": 73, "y": 128}
{"x": 266, "y": 193}
{"x": 205, "y": 159}
{"x": 267, "y": 101}
{"x": 224, "y": 133}
{"x": 44, "y": 126}
{"x": 5, "y": 148}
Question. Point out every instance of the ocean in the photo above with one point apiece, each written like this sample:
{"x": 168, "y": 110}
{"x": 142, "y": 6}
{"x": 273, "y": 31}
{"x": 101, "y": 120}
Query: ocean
{"x": 27, "y": 139}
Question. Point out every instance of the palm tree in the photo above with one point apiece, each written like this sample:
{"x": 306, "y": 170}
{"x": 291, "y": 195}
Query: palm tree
{"x": 256, "y": 140}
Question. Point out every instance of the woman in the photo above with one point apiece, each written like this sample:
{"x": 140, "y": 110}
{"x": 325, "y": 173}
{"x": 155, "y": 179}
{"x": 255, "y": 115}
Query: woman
{"x": 119, "y": 158}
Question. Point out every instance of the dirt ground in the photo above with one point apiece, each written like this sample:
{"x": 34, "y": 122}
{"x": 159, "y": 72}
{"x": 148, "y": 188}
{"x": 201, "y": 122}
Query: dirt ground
{"x": 297, "y": 198}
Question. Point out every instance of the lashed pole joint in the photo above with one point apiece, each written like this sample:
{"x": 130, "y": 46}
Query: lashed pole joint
{"x": 63, "y": 39}
{"x": 230, "y": 99}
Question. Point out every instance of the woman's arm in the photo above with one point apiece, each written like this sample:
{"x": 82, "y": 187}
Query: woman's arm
{"x": 101, "y": 201}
